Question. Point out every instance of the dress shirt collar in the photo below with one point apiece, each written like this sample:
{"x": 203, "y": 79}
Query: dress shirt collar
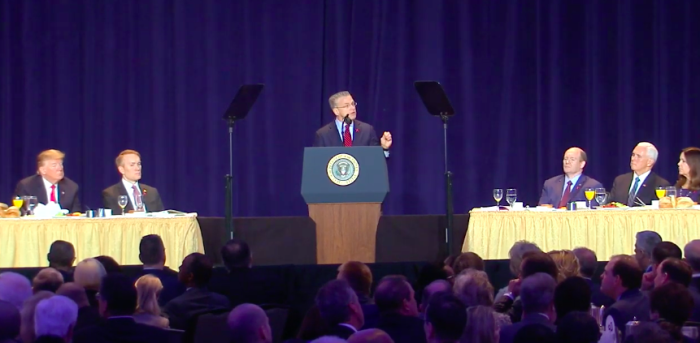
{"x": 348, "y": 326}
{"x": 340, "y": 125}
{"x": 128, "y": 185}
{"x": 641, "y": 177}
{"x": 573, "y": 180}
{"x": 48, "y": 184}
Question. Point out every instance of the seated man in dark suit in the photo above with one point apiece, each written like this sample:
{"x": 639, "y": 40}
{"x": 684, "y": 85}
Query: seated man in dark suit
{"x": 243, "y": 283}
{"x": 339, "y": 309}
{"x": 398, "y": 311}
{"x": 345, "y": 130}
{"x": 195, "y": 272}
{"x": 537, "y": 296}
{"x": 588, "y": 263}
{"x": 61, "y": 257}
{"x": 639, "y": 186}
{"x": 621, "y": 281}
{"x": 152, "y": 255}
{"x": 50, "y": 184}
{"x": 140, "y": 196}
{"x": 445, "y": 318}
{"x": 562, "y": 189}
{"x": 692, "y": 256}
{"x": 661, "y": 252}
{"x": 117, "y": 303}
{"x": 359, "y": 276}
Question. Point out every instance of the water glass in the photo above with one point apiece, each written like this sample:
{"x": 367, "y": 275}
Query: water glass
{"x": 600, "y": 196}
{"x": 498, "y": 195}
{"x": 511, "y": 196}
{"x": 671, "y": 192}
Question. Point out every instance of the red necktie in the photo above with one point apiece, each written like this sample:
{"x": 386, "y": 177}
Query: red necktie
{"x": 565, "y": 197}
{"x": 53, "y": 194}
{"x": 347, "y": 139}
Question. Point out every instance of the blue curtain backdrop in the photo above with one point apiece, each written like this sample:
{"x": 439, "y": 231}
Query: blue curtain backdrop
{"x": 528, "y": 79}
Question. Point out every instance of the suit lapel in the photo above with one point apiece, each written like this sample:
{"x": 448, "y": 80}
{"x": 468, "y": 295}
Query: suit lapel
{"x": 579, "y": 184}
{"x": 559, "y": 186}
{"x": 39, "y": 189}
{"x": 61, "y": 193}
{"x": 646, "y": 186}
{"x": 359, "y": 133}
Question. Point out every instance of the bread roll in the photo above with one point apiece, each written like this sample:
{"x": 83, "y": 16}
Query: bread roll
{"x": 12, "y": 212}
{"x": 684, "y": 202}
{"x": 666, "y": 202}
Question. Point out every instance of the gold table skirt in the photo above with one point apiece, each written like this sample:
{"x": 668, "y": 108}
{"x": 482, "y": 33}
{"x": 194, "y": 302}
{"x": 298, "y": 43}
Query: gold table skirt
{"x": 607, "y": 232}
{"x": 25, "y": 242}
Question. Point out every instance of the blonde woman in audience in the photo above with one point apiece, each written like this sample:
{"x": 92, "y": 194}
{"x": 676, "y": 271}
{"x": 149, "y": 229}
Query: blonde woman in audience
{"x": 473, "y": 288}
{"x": 89, "y": 273}
{"x": 148, "y": 288}
{"x": 482, "y": 326}
{"x": 566, "y": 262}
{"x": 26, "y": 329}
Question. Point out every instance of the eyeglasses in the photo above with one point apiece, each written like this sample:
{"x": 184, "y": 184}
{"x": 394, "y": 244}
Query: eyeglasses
{"x": 353, "y": 104}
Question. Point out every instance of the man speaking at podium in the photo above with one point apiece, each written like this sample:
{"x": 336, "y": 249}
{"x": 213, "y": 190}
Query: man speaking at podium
{"x": 345, "y": 130}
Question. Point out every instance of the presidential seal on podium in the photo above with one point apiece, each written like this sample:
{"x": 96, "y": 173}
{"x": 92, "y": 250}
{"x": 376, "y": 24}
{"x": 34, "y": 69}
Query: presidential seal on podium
{"x": 343, "y": 169}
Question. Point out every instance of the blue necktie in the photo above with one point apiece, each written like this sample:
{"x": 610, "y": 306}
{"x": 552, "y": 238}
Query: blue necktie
{"x": 633, "y": 193}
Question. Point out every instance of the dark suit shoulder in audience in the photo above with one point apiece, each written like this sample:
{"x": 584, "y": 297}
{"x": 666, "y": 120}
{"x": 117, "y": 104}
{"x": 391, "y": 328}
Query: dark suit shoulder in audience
{"x": 508, "y": 332}
{"x": 694, "y": 289}
{"x": 597, "y": 297}
{"x": 191, "y": 304}
{"x": 341, "y": 331}
{"x": 67, "y": 276}
{"x": 122, "y": 329}
{"x": 402, "y": 329}
{"x": 87, "y": 316}
{"x": 632, "y": 304}
{"x": 172, "y": 288}
{"x": 250, "y": 285}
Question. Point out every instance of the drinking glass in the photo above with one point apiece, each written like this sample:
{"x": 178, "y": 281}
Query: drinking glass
{"x": 600, "y": 196}
{"x": 660, "y": 192}
{"x": 671, "y": 192}
{"x": 511, "y": 196}
{"x": 18, "y": 202}
{"x": 590, "y": 193}
{"x": 123, "y": 200}
{"x": 139, "y": 203}
{"x": 498, "y": 195}
{"x": 31, "y": 204}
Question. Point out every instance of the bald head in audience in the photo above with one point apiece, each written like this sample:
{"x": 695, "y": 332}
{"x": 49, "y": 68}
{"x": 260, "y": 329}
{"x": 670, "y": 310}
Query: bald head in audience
{"x": 75, "y": 292}
{"x": 9, "y": 321}
{"x": 370, "y": 336}
{"x": 14, "y": 288}
{"x": 248, "y": 323}
{"x": 47, "y": 279}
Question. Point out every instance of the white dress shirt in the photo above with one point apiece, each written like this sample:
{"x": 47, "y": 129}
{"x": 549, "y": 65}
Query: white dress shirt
{"x": 642, "y": 178}
{"x": 130, "y": 193}
{"x": 47, "y": 187}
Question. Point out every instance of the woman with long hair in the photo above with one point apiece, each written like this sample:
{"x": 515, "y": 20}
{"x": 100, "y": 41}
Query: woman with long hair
{"x": 148, "y": 288}
{"x": 688, "y": 183}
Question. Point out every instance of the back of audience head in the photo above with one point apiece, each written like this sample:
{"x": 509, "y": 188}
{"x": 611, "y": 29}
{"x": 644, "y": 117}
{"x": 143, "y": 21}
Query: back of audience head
{"x": 572, "y": 294}
{"x": 14, "y": 288}
{"x": 152, "y": 251}
{"x": 535, "y": 333}
{"x": 566, "y": 262}
{"x": 370, "y": 336}
{"x": 236, "y": 254}
{"x": 649, "y": 332}
{"x": 338, "y": 303}
{"x": 358, "y": 276}
{"x": 587, "y": 260}
{"x": 47, "y": 279}
{"x": 328, "y": 339}
{"x": 482, "y": 326}
{"x": 111, "y": 266}
{"x": 447, "y": 264}
{"x": 75, "y": 292}
{"x": 664, "y": 250}
{"x": 578, "y": 327}
{"x": 622, "y": 273}
{"x": 673, "y": 270}
{"x": 9, "y": 321}
{"x": 537, "y": 295}
{"x": 148, "y": 288}
{"x": 433, "y": 288}
{"x": 55, "y": 316}
{"x": 248, "y": 323}
{"x": 516, "y": 253}
{"x": 692, "y": 254}
{"x": 473, "y": 288}
{"x": 395, "y": 294}
{"x": 467, "y": 260}
{"x": 27, "y": 313}
{"x": 644, "y": 244}
{"x": 89, "y": 273}
{"x": 196, "y": 270}
{"x": 430, "y": 273}
{"x": 117, "y": 296}
{"x": 445, "y": 318}
{"x": 61, "y": 255}
{"x": 671, "y": 304}
{"x": 538, "y": 262}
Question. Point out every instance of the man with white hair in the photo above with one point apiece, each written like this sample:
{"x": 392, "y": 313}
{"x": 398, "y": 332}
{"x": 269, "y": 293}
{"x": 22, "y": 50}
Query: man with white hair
{"x": 14, "y": 288}
{"x": 249, "y": 324}
{"x": 638, "y": 187}
{"x": 54, "y": 319}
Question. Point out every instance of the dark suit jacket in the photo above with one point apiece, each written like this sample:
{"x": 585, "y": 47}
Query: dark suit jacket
{"x": 632, "y": 304}
{"x": 646, "y": 192}
{"x": 364, "y": 135}
{"x": 694, "y": 289}
{"x": 508, "y": 332}
{"x": 67, "y": 192}
{"x": 172, "y": 288}
{"x": 121, "y": 330}
{"x": 402, "y": 329}
{"x": 87, "y": 316}
{"x": 191, "y": 304}
{"x": 250, "y": 285}
{"x": 553, "y": 189}
{"x": 341, "y": 331}
{"x": 110, "y": 198}
{"x": 597, "y": 297}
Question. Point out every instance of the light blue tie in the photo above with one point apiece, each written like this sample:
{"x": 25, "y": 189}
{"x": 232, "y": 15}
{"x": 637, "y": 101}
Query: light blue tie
{"x": 633, "y": 193}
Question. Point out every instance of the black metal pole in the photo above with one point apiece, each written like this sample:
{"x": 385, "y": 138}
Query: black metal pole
{"x": 449, "y": 210}
{"x": 229, "y": 185}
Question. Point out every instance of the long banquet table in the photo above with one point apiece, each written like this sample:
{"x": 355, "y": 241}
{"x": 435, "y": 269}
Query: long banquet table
{"x": 24, "y": 242}
{"x": 607, "y": 232}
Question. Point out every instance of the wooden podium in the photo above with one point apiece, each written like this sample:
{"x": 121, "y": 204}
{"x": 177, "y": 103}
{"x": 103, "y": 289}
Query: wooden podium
{"x": 344, "y": 188}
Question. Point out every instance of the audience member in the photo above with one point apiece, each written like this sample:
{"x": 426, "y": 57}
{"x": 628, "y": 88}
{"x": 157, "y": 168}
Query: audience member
{"x": 329, "y": 339}
{"x": 148, "y": 288}
{"x": 152, "y": 255}
{"x": 195, "y": 272}
{"x": 671, "y": 305}
{"x": 87, "y": 315}
{"x": 370, "y": 336}
{"x": 473, "y": 288}
{"x": 516, "y": 254}
{"x": 572, "y": 294}
{"x": 398, "y": 311}
{"x": 588, "y": 263}
{"x": 89, "y": 273}
{"x": 673, "y": 270}
{"x": 482, "y": 326}
{"x": 445, "y": 318}
{"x": 26, "y": 331}
{"x": 359, "y": 276}
{"x": 61, "y": 257}
{"x": 244, "y": 283}
{"x": 649, "y": 332}
{"x": 535, "y": 333}
{"x": 577, "y": 327}
{"x": 117, "y": 303}
{"x": 9, "y": 322}
{"x": 447, "y": 265}
{"x": 434, "y": 287}
{"x": 621, "y": 280}
{"x": 537, "y": 295}
{"x": 644, "y": 244}
{"x": 566, "y": 262}
{"x": 248, "y": 323}
{"x": 429, "y": 273}
{"x": 467, "y": 260}
{"x": 111, "y": 266}
{"x": 692, "y": 256}
{"x": 14, "y": 288}
{"x": 54, "y": 320}
{"x": 47, "y": 279}
{"x": 661, "y": 252}
{"x": 340, "y": 309}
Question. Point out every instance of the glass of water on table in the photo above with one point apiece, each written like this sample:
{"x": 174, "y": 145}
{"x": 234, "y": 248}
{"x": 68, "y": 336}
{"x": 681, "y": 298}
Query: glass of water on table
{"x": 122, "y": 201}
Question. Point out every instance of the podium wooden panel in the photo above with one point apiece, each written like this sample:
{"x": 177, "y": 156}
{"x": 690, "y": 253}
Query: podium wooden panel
{"x": 345, "y": 231}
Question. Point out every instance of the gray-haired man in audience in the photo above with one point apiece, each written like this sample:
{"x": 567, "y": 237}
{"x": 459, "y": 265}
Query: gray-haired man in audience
{"x": 537, "y": 296}
{"x": 14, "y": 288}
{"x": 249, "y": 323}
{"x": 54, "y": 319}
{"x": 645, "y": 242}
{"x": 516, "y": 253}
